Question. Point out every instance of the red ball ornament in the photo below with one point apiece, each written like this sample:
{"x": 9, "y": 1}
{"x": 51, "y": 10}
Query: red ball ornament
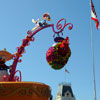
{"x": 57, "y": 55}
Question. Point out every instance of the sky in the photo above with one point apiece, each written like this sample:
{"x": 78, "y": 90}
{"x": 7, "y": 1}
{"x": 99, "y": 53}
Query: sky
{"x": 16, "y": 19}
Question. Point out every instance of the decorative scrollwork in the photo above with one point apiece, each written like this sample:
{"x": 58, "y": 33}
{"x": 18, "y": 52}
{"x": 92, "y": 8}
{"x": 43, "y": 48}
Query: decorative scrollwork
{"x": 61, "y": 27}
{"x": 17, "y": 78}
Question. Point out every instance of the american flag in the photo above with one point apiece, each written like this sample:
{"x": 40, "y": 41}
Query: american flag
{"x": 67, "y": 71}
{"x": 93, "y": 15}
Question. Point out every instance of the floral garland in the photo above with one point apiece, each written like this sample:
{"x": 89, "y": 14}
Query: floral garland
{"x": 57, "y": 56}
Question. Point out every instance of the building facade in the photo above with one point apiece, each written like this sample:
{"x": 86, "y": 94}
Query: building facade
{"x": 65, "y": 92}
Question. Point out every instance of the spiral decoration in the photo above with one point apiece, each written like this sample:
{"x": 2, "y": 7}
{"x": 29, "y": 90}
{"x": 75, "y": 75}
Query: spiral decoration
{"x": 57, "y": 55}
{"x": 61, "y": 27}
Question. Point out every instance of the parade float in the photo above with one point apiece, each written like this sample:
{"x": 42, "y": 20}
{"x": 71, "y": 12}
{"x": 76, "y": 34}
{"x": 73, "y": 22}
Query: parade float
{"x": 11, "y": 86}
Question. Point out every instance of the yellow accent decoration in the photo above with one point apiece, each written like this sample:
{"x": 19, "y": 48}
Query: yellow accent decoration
{"x": 19, "y": 55}
{"x": 29, "y": 39}
{"x": 22, "y": 46}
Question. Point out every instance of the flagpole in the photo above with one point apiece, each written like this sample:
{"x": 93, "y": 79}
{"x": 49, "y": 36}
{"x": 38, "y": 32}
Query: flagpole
{"x": 65, "y": 75}
{"x": 93, "y": 61}
{"x": 66, "y": 71}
